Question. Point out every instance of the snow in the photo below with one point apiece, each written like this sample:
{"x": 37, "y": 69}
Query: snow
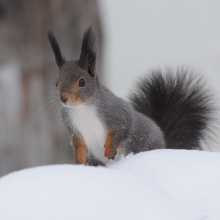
{"x": 156, "y": 185}
{"x": 191, "y": 177}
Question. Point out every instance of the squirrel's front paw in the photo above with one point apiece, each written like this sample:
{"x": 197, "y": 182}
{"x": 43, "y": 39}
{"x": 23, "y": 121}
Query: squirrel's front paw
{"x": 82, "y": 161}
{"x": 110, "y": 154}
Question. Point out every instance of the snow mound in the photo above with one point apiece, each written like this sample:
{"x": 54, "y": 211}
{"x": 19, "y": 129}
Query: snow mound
{"x": 190, "y": 177}
{"x": 156, "y": 185}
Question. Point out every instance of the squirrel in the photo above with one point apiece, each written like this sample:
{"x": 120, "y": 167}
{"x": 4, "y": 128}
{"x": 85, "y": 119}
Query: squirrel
{"x": 168, "y": 110}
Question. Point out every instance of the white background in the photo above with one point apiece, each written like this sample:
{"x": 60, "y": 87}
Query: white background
{"x": 141, "y": 35}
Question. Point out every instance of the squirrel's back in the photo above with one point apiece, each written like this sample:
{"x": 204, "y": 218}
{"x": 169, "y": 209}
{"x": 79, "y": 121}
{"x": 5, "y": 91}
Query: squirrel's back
{"x": 179, "y": 103}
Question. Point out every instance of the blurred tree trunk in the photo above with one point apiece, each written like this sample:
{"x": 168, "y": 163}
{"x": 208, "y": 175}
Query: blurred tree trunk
{"x": 32, "y": 134}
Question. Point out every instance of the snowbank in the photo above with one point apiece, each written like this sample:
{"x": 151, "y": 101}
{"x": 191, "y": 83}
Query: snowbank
{"x": 190, "y": 177}
{"x": 162, "y": 184}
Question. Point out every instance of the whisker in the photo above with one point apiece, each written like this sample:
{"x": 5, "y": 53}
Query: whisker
{"x": 52, "y": 111}
{"x": 48, "y": 104}
{"x": 57, "y": 107}
{"x": 49, "y": 100}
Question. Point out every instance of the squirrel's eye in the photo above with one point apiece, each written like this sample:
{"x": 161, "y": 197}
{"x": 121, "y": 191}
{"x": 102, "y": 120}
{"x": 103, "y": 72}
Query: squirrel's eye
{"x": 81, "y": 83}
{"x": 56, "y": 84}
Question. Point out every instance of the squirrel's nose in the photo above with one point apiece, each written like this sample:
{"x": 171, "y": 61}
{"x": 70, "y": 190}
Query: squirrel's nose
{"x": 63, "y": 99}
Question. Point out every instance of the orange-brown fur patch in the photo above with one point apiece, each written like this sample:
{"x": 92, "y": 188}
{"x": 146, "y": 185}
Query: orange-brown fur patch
{"x": 81, "y": 152}
{"x": 109, "y": 153}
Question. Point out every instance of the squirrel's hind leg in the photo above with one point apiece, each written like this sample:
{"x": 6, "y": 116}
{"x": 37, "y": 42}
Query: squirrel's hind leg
{"x": 93, "y": 161}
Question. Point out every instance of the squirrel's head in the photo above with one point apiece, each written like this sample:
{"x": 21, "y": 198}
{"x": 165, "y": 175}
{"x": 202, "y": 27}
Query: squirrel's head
{"x": 77, "y": 82}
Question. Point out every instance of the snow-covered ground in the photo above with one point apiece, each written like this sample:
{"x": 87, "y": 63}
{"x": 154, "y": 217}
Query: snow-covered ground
{"x": 160, "y": 184}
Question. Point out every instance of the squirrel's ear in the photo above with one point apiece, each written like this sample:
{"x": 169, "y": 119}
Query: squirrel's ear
{"x": 56, "y": 49}
{"x": 87, "y": 58}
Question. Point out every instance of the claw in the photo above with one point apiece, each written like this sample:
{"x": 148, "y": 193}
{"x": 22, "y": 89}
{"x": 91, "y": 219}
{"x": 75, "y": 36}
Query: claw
{"x": 110, "y": 154}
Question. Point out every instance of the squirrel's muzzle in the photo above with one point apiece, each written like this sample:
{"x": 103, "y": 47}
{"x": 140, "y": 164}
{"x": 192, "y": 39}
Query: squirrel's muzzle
{"x": 63, "y": 98}
{"x": 68, "y": 98}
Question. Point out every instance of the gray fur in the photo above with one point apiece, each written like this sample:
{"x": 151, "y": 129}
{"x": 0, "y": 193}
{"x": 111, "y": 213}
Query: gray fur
{"x": 136, "y": 132}
{"x": 179, "y": 104}
{"x": 133, "y": 131}
{"x": 71, "y": 72}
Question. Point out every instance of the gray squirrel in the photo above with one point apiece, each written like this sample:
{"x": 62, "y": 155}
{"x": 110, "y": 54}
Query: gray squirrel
{"x": 166, "y": 111}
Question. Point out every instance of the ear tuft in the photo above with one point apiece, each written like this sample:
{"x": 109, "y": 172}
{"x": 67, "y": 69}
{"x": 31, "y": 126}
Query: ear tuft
{"x": 56, "y": 49}
{"x": 87, "y": 58}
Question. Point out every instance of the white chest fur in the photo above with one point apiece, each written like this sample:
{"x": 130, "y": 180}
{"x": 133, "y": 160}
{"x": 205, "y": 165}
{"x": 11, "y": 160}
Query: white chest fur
{"x": 85, "y": 119}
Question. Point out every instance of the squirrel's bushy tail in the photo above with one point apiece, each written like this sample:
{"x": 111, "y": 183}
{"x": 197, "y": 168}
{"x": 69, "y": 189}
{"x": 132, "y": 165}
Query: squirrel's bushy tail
{"x": 179, "y": 103}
